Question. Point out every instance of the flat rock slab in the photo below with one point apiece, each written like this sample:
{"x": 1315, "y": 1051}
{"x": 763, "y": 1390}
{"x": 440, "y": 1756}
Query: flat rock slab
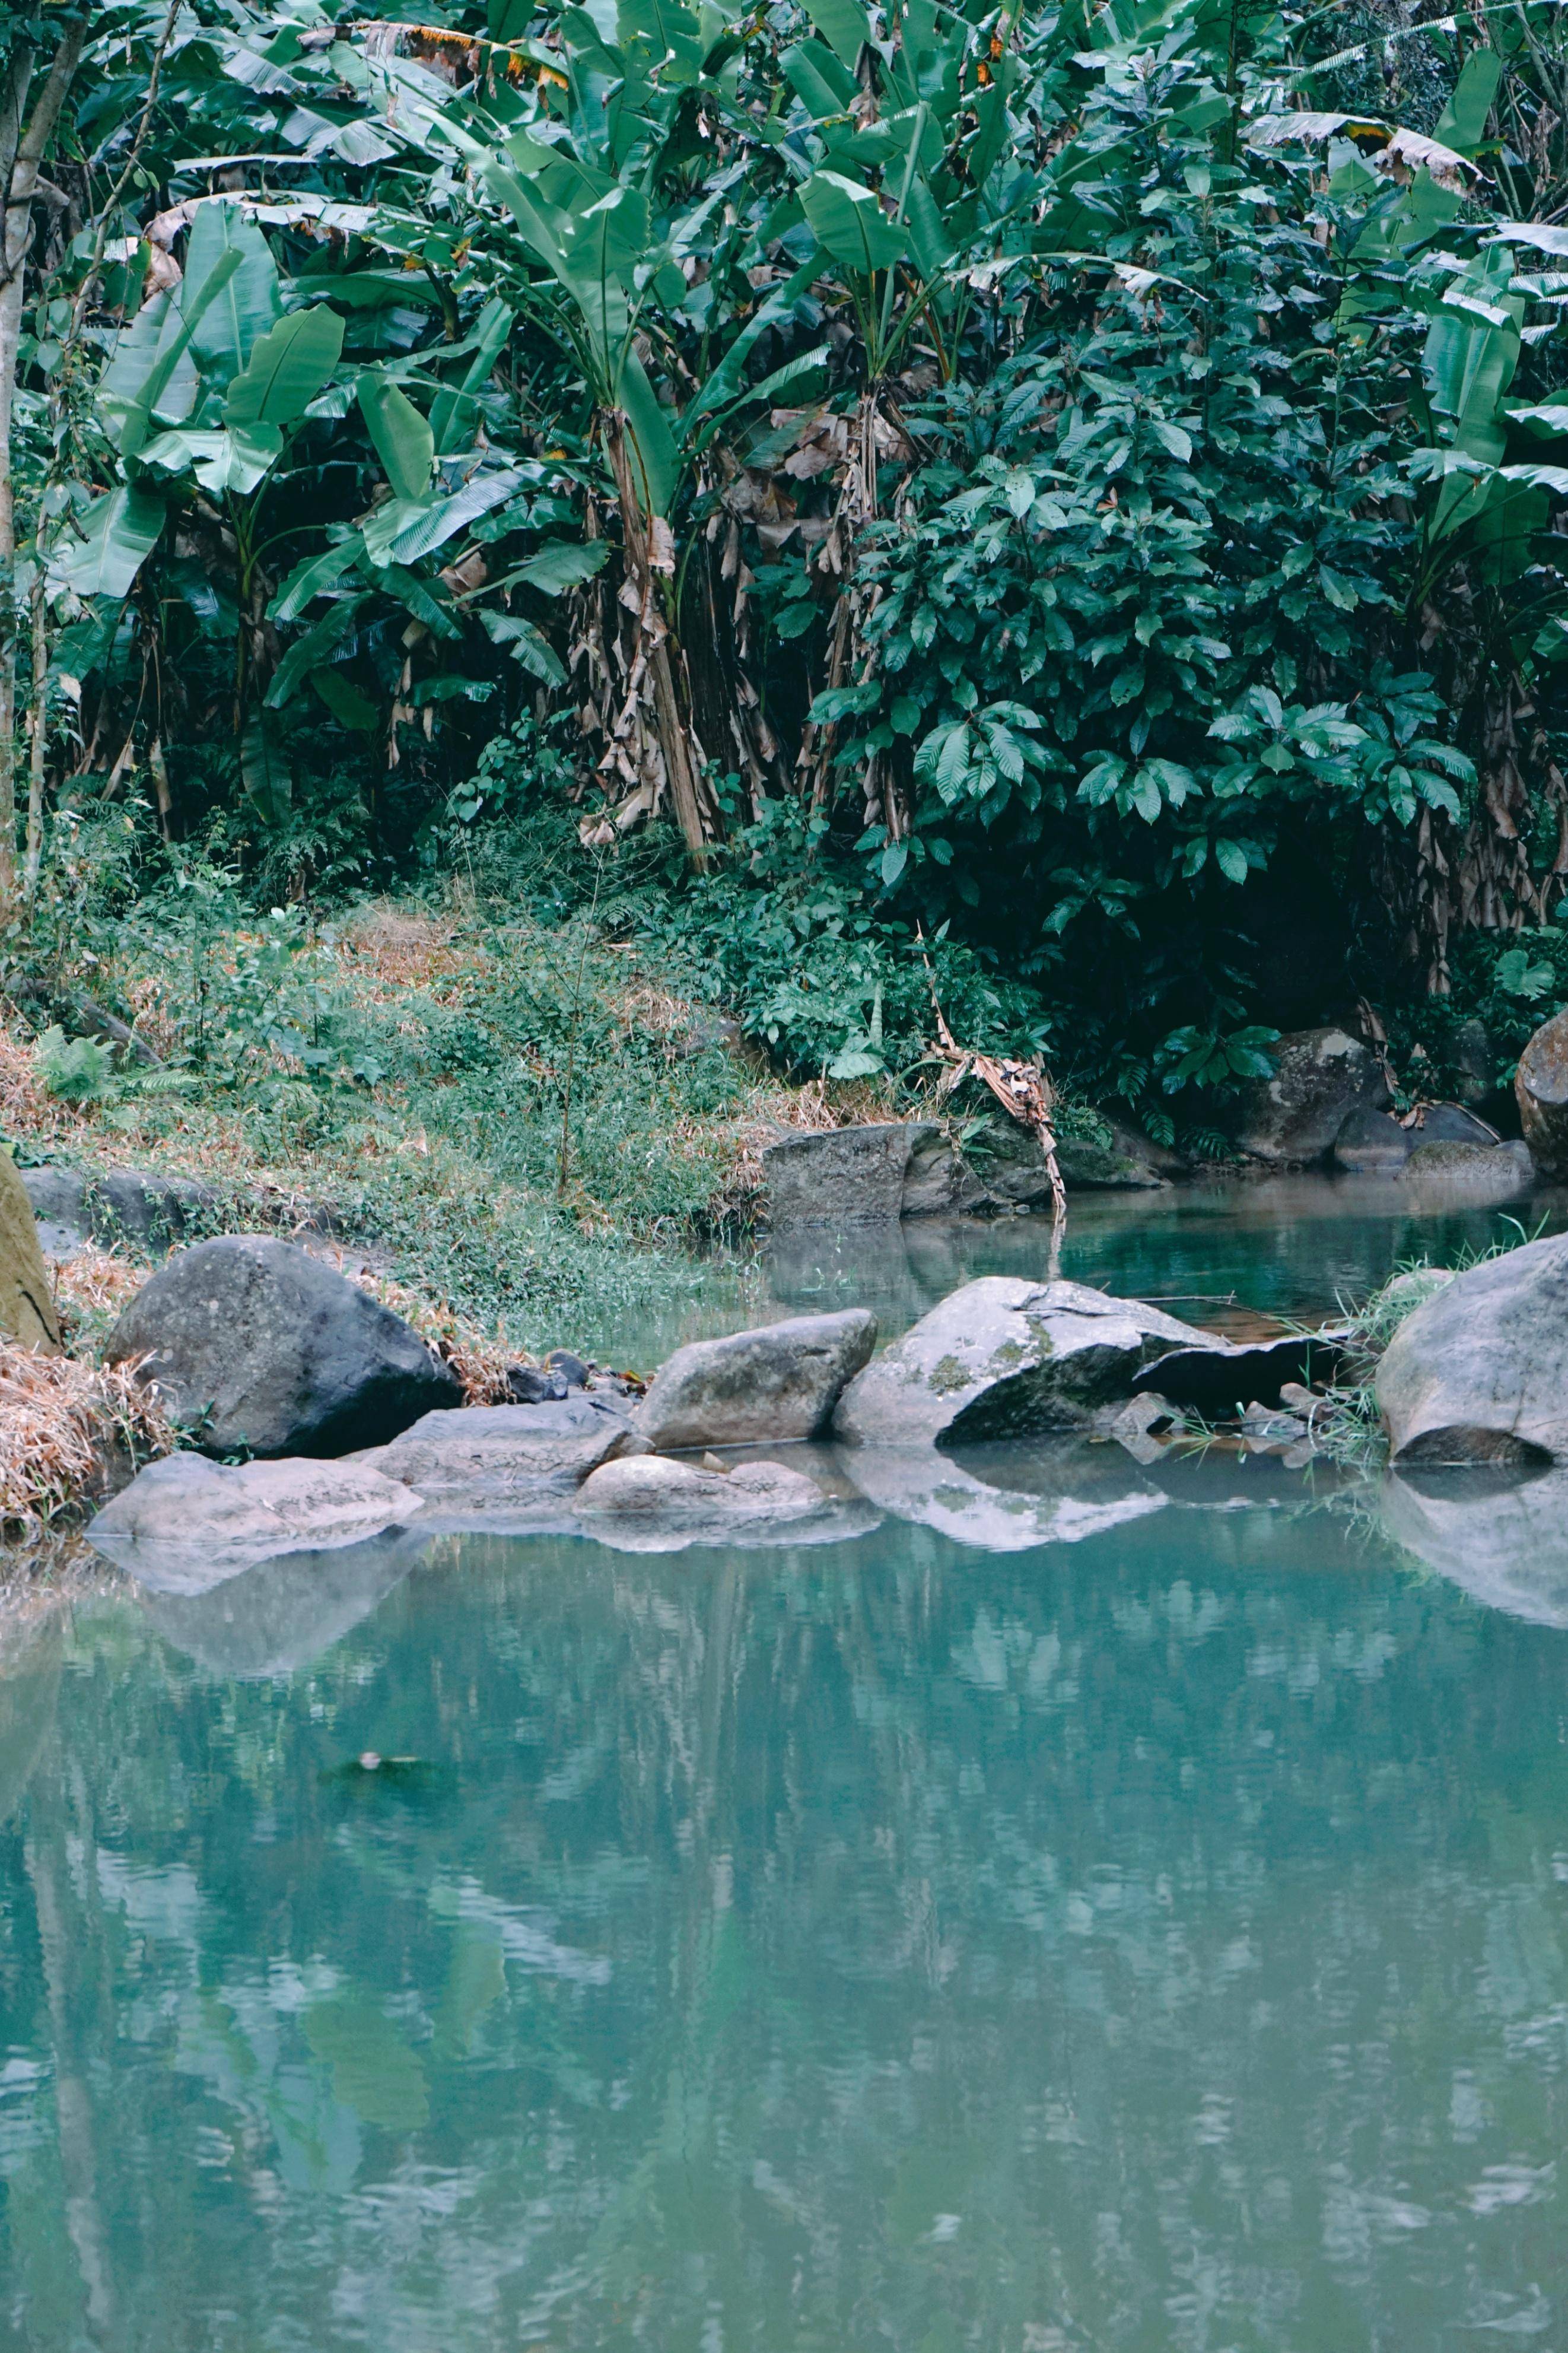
{"x": 498, "y": 1458}
{"x": 779, "y": 1382}
{"x": 263, "y": 1350}
{"x": 186, "y": 1525}
{"x": 1004, "y": 1357}
{"x": 1480, "y": 1372}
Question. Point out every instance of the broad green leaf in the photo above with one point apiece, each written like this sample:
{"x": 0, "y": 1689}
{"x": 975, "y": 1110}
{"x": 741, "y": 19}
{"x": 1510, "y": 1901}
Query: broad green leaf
{"x": 402, "y": 438}
{"x": 656, "y": 458}
{"x": 564, "y": 564}
{"x": 265, "y": 771}
{"x": 526, "y": 645}
{"x": 1462, "y": 124}
{"x": 669, "y": 37}
{"x": 438, "y": 519}
{"x": 848, "y": 220}
{"x": 222, "y": 461}
{"x": 120, "y": 533}
{"x": 453, "y": 410}
{"x": 232, "y": 303}
{"x": 818, "y": 80}
{"x": 727, "y": 382}
{"x": 344, "y": 699}
{"x": 843, "y": 25}
{"x": 150, "y": 373}
{"x": 388, "y": 521}
{"x": 308, "y": 579}
{"x": 307, "y": 653}
{"x": 609, "y": 239}
{"x": 287, "y": 369}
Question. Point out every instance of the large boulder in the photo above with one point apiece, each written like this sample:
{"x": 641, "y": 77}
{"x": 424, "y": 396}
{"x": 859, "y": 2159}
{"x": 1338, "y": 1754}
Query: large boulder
{"x": 1004, "y": 1357}
{"x": 1319, "y": 1077}
{"x": 26, "y": 1303}
{"x": 841, "y": 1176}
{"x": 1540, "y": 1087}
{"x": 185, "y": 1524}
{"x": 487, "y": 1459}
{"x": 1471, "y": 1174}
{"x": 266, "y": 1351}
{"x": 781, "y": 1381}
{"x": 1480, "y": 1372}
{"x": 1370, "y": 1143}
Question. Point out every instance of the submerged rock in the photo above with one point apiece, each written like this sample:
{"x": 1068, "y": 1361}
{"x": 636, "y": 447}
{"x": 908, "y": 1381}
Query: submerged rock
{"x": 1500, "y": 1537}
{"x": 271, "y": 1353}
{"x": 1471, "y": 1172}
{"x": 185, "y": 1523}
{"x": 485, "y": 1458}
{"x": 1540, "y": 1088}
{"x": 781, "y": 1381}
{"x": 651, "y": 1503}
{"x": 1480, "y": 1372}
{"x": 27, "y": 1302}
{"x": 1319, "y": 1077}
{"x": 1004, "y": 1357}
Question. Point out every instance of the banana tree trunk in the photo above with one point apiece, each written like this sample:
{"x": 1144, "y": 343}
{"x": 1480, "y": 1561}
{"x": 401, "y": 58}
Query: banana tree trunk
{"x": 24, "y": 140}
{"x": 694, "y": 812}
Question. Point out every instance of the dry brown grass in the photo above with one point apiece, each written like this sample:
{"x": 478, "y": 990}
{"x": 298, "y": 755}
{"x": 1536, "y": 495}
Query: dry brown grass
{"x": 60, "y": 1421}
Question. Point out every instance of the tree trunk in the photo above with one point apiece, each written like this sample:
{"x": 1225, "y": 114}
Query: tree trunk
{"x": 22, "y": 147}
{"x": 692, "y": 814}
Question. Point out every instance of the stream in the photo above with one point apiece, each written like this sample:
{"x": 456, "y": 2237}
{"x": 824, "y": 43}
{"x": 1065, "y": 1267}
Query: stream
{"x": 1129, "y": 1912}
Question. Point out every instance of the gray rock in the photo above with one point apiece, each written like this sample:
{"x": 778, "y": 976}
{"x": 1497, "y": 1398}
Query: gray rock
{"x": 1471, "y": 1172}
{"x": 781, "y": 1381}
{"x": 184, "y": 1523}
{"x": 1479, "y": 1373}
{"x": 1004, "y": 1357}
{"x": 1450, "y": 1123}
{"x": 270, "y": 1352}
{"x": 1091, "y": 1167}
{"x": 650, "y": 1503}
{"x": 1540, "y": 1089}
{"x": 1502, "y": 1537}
{"x": 1372, "y": 1143}
{"x": 1477, "y": 1058}
{"x": 1319, "y": 1077}
{"x": 532, "y": 1384}
{"x": 149, "y": 1213}
{"x": 841, "y": 1176}
{"x": 485, "y": 1458}
{"x": 1144, "y": 1426}
{"x": 128, "y": 1206}
{"x": 280, "y": 1617}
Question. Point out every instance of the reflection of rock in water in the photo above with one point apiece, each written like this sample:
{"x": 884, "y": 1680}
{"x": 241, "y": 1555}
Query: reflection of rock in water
{"x": 29, "y": 1687}
{"x": 1500, "y": 1536}
{"x": 1006, "y": 1498}
{"x": 281, "y": 1616}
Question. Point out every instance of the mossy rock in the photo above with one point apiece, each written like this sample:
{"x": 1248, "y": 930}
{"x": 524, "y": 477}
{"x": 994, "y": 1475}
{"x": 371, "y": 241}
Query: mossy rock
{"x": 27, "y": 1302}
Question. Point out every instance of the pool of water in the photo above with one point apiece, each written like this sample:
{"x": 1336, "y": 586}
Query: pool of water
{"x": 1295, "y": 1247}
{"x": 1090, "y": 1909}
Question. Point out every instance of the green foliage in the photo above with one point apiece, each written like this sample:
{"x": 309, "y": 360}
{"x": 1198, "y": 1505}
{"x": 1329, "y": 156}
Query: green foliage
{"x": 74, "y": 1070}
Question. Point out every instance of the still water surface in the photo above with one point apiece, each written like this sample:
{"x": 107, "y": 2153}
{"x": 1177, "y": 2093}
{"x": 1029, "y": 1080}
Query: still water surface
{"x": 1153, "y": 1941}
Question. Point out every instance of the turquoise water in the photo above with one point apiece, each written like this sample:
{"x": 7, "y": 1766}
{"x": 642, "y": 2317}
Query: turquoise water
{"x": 1288, "y": 1246}
{"x": 1153, "y": 1941}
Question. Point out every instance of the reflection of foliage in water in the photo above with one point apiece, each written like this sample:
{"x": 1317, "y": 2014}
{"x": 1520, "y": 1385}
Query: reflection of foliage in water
{"x": 1153, "y": 1940}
